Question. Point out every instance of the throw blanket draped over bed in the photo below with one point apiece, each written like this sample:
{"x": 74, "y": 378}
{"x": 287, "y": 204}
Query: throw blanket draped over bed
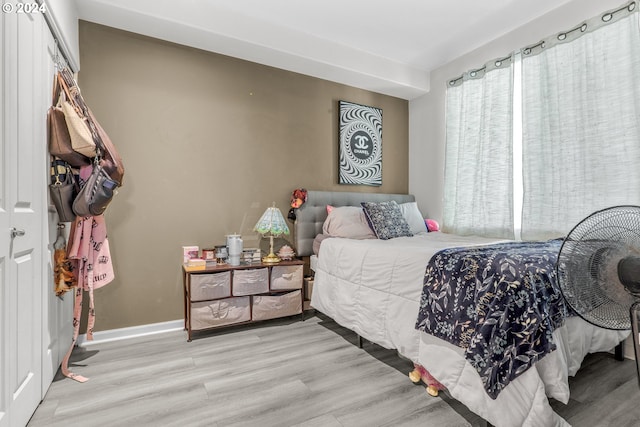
{"x": 499, "y": 302}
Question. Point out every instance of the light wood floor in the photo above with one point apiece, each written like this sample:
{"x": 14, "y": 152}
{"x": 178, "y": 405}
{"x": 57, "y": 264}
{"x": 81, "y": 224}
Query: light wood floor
{"x": 288, "y": 373}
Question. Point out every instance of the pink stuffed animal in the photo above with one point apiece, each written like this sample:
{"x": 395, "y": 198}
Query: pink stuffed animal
{"x": 420, "y": 373}
{"x": 432, "y": 225}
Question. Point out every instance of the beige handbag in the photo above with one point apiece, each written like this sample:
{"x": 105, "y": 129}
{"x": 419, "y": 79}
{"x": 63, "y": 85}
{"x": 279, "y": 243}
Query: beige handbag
{"x": 81, "y": 139}
{"x": 58, "y": 132}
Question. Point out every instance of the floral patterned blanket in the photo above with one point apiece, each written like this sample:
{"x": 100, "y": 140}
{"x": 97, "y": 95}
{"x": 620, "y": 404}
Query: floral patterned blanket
{"x": 498, "y": 302}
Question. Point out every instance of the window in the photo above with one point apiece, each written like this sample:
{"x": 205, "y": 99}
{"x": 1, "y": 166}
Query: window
{"x": 478, "y": 169}
{"x": 573, "y": 145}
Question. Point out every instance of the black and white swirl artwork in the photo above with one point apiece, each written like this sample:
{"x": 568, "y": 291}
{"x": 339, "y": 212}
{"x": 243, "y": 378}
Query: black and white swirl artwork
{"x": 360, "y": 144}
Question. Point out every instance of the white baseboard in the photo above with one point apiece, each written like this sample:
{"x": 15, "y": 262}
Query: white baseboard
{"x": 131, "y": 332}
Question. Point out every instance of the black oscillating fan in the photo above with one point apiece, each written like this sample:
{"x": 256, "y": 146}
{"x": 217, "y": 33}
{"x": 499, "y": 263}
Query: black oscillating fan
{"x": 599, "y": 270}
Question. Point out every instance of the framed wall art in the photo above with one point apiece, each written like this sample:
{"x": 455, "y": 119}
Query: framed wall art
{"x": 360, "y": 144}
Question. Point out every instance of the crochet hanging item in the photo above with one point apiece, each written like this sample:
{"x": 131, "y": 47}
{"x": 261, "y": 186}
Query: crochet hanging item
{"x": 63, "y": 278}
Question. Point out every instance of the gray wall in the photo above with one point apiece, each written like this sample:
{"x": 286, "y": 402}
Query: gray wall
{"x": 208, "y": 143}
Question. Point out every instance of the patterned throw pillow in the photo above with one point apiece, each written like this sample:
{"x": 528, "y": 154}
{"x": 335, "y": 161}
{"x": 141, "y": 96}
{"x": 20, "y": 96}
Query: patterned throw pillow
{"x": 386, "y": 220}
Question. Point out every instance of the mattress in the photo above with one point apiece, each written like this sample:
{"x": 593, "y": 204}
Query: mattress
{"x": 313, "y": 262}
{"x": 373, "y": 287}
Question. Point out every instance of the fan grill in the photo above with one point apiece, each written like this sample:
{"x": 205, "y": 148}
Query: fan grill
{"x": 588, "y": 266}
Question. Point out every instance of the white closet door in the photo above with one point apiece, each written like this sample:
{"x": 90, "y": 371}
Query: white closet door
{"x": 22, "y": 207}
{"x": 57, "y": 313}
{"x": 5, "y": 225}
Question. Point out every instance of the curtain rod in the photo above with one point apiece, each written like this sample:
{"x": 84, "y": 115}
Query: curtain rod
{"x": 605, "y": 17}
{"x": 479, "y": 72}
{"x": 589, "y": 24}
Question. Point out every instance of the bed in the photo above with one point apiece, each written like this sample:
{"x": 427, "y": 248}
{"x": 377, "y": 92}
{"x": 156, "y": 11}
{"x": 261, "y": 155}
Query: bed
{"x": 374, "y": 287}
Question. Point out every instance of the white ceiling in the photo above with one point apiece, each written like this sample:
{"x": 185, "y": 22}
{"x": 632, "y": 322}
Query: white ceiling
{"x": 380, "y": 45}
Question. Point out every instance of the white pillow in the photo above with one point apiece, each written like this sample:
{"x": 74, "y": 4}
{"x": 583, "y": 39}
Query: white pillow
{"x": 414, "y": 218}
{"x": 349, "y": 222}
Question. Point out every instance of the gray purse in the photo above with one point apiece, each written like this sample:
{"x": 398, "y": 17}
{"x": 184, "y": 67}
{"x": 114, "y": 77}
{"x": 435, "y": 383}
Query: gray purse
{"x": 96, "y": 194}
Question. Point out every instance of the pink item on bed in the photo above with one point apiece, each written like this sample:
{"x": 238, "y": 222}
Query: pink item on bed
{"x": 432, "y": 225}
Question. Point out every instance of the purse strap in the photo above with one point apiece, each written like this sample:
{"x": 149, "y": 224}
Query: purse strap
{"x": 72, "y": 91}
{"x": 104, "y": 147}
{"x": 55, "y": 96}
{"x": 68, "y": 84}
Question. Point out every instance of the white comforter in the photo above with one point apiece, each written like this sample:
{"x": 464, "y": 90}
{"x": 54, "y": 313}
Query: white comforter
{"x": 373, "y": 287}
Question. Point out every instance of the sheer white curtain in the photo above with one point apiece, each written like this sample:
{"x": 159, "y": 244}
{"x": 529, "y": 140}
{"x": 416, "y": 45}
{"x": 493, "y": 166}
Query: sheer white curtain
{"x": 581, "y": 124}
{"x": 478, "y": 191}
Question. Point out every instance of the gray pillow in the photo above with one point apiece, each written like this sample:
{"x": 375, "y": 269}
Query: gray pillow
{"x": 386, "y": 219}
{"x": 414, "y": 218}
{"x": 347, "y": 221}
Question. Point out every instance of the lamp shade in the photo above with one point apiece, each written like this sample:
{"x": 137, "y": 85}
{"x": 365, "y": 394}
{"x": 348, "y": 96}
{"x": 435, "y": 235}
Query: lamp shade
{"x": 272, "y": 223}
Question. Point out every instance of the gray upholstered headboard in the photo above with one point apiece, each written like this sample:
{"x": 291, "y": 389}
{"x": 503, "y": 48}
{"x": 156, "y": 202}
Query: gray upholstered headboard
{"x": 311, "y": 215}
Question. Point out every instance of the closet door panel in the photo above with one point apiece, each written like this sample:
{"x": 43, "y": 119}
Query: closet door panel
{"x": 57, "y": 314}
{"x": 21, "y": 244}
